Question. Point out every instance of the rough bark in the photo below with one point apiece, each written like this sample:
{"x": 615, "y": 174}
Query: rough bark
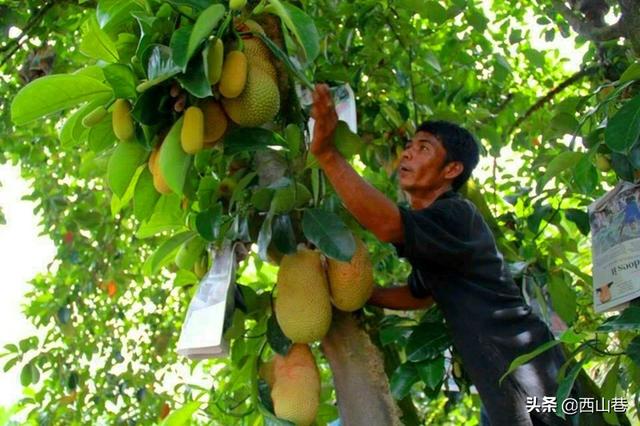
{"x": 362, "y": 387}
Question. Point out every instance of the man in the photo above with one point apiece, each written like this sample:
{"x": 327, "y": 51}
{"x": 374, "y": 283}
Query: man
{"x": 454, "y": 262}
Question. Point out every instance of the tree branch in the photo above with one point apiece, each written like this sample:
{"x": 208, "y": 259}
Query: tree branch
{"x": 584, "y": 28}
{"x": 24, "y": 35}
{"x": 549, "y": 96}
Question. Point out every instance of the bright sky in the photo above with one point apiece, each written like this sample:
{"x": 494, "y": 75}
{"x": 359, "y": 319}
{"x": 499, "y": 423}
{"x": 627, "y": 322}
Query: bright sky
{"x": 23, "y": 254}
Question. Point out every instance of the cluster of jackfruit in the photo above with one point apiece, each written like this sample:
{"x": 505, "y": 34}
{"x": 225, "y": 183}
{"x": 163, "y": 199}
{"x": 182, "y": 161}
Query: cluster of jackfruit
{"x": 306, "y": 291}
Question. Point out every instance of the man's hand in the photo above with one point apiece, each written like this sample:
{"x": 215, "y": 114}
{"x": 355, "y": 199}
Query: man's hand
{"x": 399, "y": 298}
{"x": 326, "y": 120}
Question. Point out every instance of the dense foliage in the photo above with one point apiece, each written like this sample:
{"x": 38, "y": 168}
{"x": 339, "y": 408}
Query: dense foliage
{"x": 112, "y": 304}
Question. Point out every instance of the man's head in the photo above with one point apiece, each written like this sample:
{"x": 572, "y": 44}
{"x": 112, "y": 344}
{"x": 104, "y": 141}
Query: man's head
{"x": 441, "y": 154}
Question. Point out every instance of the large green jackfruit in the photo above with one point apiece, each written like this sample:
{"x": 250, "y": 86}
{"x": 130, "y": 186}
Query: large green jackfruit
{"x": 259, "y": 102}
{"x": 351, "y": 283}
{"x": 303, "y": 306}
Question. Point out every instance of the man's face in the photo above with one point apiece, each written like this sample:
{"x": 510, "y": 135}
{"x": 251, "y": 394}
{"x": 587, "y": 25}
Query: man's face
{"x": 422, "y": 164}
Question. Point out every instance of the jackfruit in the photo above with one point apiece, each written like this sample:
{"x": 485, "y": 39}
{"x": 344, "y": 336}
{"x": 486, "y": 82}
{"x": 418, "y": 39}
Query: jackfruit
{"x": 351, "y": 283}
{"x": 302, "y": 306}
{"x": 122, "y": 120}
{"x": 296, "y": 388}
{"x": 237, "y": 4}
{"x": 192, "y": 132}
{"x": 267, "y": 373}
{"x": 159, "y": 182}
{"x": 602, "y": 162}
{"x": 215, "y": 58}
{"x": 258, "y": 103}
{"x": 259, "y": 56}
{"x": 215, "y": 122}
{"x": 234, "y": 75}
{"x": 290, "y": 197}
{"x": 94, "y": 117}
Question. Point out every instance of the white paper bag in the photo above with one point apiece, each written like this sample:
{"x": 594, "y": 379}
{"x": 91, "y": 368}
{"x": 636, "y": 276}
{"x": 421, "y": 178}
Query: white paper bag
{"x": 211, "y": 309}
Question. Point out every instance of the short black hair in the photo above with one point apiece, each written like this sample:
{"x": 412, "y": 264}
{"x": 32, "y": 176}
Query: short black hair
{"x": 459, "y": 144}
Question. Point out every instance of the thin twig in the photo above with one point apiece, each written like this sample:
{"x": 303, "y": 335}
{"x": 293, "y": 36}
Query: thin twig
{"x": 24, "y": 35}
{"x": 585, "y": 28}
{"x": 550, "y": 95}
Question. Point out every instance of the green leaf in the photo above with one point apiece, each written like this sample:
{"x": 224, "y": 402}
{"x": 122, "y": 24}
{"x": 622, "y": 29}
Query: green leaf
{"x": 26, "y": 375}
{"x": 523, "y": 359}
{"x": 394, "y": 334}
{"x": 633, "y": 351}
{"x": 145, "y": 196}
{"x": 586, "y": 175}
{"x": 276, "y": 338}
{"x": 122, "y": 80}
{"x": 112, "y": 14}
{"x": 167, "y": 216}
{"x": 124, "y": 162}
{"x": 431, "y": 372}
{"x": 195, "y": 80}
{"x": 301, "y": 26}
{"x": 166, "y": 252}
{"x": 565, "y": 386}
{"x": 622, "y": 166}
{"x": 96, "y": 43}
{"x": 174, "y": 163}
{"x": 207, "y": 21}
{"x": 628, "y": 320}
{"x": 631, "y": 73}
{"x": 434, "y": 12}
{"x": 563, "y": 299}
{"x": 608, "y": 391}
{"x": 101, "y": 136}
{"x": 329, "y": 233}
{"x": 557, "y": 165}
{"x": 160, "y": 67}
{"x": 250, "y": 139}
{"x": 54, "y": 93}
{"x": 580, "y": 218}
{"x": 427, "y": 341}
{"x": 623, "y": 129}
{"x": 185, "y": 278}
{"x": 148, "y": 107}
{"x": 402, "y": 379}
{"x": 283, "y": 237}
{"x": 179, "y": 46}
{"x": 208, "y": 222}
{"x": 183, "y": 415}
{"x": 264, "y": 237}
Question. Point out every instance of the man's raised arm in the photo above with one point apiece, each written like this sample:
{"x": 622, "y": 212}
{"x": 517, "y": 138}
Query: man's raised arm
{"x": 369, "y": 206}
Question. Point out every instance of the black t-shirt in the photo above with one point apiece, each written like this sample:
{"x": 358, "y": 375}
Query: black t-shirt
{"x": 454, "y": 258}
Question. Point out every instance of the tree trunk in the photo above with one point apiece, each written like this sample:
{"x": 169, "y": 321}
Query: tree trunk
{"x": 362, "y": 388}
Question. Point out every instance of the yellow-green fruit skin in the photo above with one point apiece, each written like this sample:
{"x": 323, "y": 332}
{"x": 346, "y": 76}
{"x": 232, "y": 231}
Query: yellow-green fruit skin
{"x": 234, "y": 75}
{"x": 215, "y": 58}
{"x": 159, "y": 183}
{"x": 192, "y": 132}
{"x": 303, "y": 306}
{"x": 259, "y": 56}
{"x": 296, "y": 388}
{"x": 215, "y": 122}
{"x": 94, "y": 117}
{"x": 237, "y": 4}
{"x": 603, "y": 163}
{"x": 122, "y": 121}
{"x": 351, "y": 283}
{"x": 259, "y": 102}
